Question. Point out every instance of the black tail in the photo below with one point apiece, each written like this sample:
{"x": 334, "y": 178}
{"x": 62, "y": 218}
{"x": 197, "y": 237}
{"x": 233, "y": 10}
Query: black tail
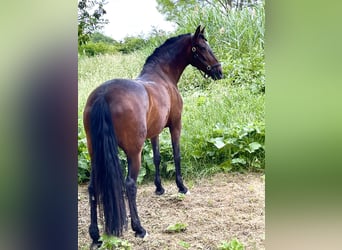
{"x": 107, "y": 173}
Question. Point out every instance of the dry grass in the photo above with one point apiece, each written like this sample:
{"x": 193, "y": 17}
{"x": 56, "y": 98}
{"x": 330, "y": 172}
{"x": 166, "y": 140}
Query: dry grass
{"x": 219, "y": 208}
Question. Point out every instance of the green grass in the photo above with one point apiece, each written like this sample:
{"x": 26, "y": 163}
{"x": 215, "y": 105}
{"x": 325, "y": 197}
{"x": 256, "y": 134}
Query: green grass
{"x": 92, "y": 71}
{"x": 224, "y": 112}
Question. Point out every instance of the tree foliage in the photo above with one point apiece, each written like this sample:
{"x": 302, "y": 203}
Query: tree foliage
{"x": 174, "y": 10}
{"x": 98, "y": 37}
{"x": 224, "y": 5}
{"x": 90, "y": 18}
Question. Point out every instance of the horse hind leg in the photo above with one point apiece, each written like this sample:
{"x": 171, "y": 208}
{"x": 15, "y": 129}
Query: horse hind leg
{"x": 131, "y": 191}
{"x": 93, "y": 228}
{"x": 156, "y": 160}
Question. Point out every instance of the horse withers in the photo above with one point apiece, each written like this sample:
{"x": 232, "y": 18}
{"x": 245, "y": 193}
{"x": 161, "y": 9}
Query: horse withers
{"x": 124, "y": 113}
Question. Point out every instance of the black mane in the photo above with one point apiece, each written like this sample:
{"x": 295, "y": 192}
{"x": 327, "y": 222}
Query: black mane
{"x": 164, "y": 50}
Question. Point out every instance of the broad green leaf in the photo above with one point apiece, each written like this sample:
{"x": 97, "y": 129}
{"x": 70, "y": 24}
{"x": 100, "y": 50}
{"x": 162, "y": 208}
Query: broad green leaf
{"x": 238, "y": 161}
{"x": 226, "y": 166}
{"x": 176, "y": 228}
{"x": 254, "y": 146}
{"x": 218, "y": 142}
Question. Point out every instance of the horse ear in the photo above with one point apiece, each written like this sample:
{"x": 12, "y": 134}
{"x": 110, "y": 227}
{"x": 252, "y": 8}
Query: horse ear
{"x": 197, "y": 32}
{"x": 202, "y": 31}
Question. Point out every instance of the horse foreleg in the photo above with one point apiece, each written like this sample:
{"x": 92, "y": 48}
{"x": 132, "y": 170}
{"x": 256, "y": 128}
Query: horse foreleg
{"x": 175, "y": 134}
{"x": 131, "y": 191}
{"x": 156, "y": 160}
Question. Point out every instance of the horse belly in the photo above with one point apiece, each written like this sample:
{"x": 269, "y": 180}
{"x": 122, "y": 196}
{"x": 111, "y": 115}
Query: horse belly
{"x": 158, "y": 110}
{"x": 131, "y": 135}
{"x": 155, "y": 126}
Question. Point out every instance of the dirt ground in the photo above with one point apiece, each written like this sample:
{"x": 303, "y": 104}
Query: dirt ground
{"x": 219, "y": 208}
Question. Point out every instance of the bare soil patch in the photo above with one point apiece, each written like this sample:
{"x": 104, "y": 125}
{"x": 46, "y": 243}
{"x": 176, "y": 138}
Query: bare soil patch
{"x": 219, "y": 208}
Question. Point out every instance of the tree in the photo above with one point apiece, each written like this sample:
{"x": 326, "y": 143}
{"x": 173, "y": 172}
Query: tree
{"x": 174, "y": 9}
{"x": 90, "y": 18}
{"x": 226, "y": 5}
{"x": 98, "y": 37}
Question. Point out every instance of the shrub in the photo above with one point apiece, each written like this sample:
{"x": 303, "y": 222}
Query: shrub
{"x": 131, "y": 44}
{"x": 98, "y": 48}
{"x": 83, "y": 156}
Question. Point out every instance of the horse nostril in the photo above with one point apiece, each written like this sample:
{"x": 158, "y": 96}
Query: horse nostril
{"x": 217, "y": 75}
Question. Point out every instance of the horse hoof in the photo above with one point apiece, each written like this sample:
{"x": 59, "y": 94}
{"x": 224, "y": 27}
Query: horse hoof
{"x": 184, "y": 191}
{"x": 187, "y": 192}
{"x": 145, "y": 237}
{"x": 160, "y": 192}
{"x": 142, "y": 234}
{"x": 95, "y": 245}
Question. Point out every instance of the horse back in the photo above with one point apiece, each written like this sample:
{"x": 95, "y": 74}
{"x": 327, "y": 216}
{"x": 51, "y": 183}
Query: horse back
{"x": 139, "y": 109}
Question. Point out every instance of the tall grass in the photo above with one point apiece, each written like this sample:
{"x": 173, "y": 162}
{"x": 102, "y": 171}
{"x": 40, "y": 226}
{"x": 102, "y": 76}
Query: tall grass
{"x": 92, "y": 71}
{"x": 236, "y": 32}
{"x": 237, "y": 38}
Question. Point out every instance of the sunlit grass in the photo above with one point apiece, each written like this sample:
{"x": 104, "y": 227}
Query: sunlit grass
{"x": 93, "y": 71}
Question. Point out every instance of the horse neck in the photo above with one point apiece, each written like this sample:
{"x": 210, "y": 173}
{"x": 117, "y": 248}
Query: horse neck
{"x": 169, "y": 68}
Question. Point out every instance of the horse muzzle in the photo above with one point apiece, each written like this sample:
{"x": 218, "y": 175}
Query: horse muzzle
{"x": 216, "y": 72}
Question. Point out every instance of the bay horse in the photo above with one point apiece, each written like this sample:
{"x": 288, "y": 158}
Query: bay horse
{"x": 124, "y": 113}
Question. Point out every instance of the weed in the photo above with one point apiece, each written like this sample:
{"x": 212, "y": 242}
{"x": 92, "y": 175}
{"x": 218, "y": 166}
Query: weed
{"x": 176, "y": 228}
{"x": 234, "y": 244}
{"x": 114, "y": 243}
{"x": 181, "y": 196}
{"x": 184, "y": 244}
